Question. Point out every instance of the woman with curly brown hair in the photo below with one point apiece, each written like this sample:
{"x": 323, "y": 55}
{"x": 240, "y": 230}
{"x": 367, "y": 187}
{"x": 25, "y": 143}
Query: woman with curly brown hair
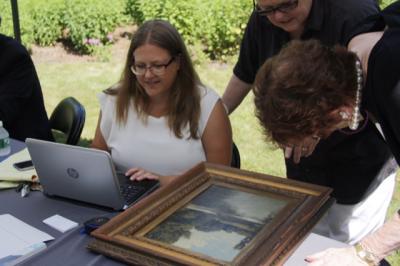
{"x": 160, "y": 120}
{"x": 309, "y": 91}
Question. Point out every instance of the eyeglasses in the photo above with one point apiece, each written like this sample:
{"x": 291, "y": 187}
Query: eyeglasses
{"x": 156, "y": 69}
{"x": 284, "y": 8}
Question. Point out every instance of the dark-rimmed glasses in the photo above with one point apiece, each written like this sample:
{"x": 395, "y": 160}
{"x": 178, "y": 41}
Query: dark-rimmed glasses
{"x": 156, "y": 69}
{"x": 284, "y": 8}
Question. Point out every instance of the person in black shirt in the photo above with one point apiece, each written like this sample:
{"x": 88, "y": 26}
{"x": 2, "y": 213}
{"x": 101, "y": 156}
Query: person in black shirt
{"x": 275, "y": 22}
{"x": 355, "y": 166}
{"x": 311, "y": 90}
{"x": 22, "y": 108}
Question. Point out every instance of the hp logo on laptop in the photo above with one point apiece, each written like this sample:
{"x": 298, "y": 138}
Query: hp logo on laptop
{"x": 72, "y": 173}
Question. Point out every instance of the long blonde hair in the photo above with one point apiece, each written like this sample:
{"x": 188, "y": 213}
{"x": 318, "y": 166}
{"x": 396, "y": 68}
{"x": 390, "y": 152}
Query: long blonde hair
{"x": 184, "y": 98}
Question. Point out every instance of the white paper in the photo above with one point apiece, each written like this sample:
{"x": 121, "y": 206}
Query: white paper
{"x": 60, "y": 223}
{"x": 22, "y": 255}
{"x": 15, "y": 236}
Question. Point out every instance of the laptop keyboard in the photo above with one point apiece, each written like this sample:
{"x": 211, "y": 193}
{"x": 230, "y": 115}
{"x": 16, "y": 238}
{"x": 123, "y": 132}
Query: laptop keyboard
{"x": 133, "y": 191}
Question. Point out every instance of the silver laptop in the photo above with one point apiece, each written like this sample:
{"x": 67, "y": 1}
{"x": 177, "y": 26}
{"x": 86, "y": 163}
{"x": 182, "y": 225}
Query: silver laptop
{"x": 84, "y": 174}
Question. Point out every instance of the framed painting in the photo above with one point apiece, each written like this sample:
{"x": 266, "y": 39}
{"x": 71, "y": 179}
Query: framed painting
{"x": 215, "y": 215}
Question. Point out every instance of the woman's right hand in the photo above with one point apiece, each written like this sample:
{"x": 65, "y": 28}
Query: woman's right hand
{"x": 304, "y": 149}
{"x": 140, "y": 174}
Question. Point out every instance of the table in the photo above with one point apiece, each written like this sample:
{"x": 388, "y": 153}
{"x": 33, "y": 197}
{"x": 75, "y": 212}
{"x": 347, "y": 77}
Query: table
{"x": 70, "y": 248}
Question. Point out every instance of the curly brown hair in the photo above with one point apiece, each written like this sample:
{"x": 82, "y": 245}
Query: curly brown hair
{"x": 297, "y": 90}
{"x": 184, "y": 99}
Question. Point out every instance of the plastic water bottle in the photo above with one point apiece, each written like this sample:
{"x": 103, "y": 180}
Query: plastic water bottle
{"x": 4, "y": 141}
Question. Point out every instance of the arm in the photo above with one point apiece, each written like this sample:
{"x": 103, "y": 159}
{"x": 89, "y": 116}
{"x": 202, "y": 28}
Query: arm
{"x": 379, "y": 243}
{"x": 98, "y": 140}
{"x": 235, "y": 93}
{"x": 217, "y": 136}
{"x": 385, "y": 240}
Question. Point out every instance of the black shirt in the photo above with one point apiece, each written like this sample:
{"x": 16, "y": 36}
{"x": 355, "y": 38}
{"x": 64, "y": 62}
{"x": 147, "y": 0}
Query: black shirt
{"x": 330, "y": 21}
{"x": 347, "y": 163}
{"x": 381, "y": 95}
{"x": 21, "y": 101}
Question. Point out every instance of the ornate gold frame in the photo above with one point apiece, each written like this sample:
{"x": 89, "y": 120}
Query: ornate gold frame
{"x": 123, "y": 238}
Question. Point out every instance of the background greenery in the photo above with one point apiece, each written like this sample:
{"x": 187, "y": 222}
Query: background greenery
{"x": 213, "y": 29}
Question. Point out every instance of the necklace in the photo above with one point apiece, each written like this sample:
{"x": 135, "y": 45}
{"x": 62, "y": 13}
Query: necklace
{"x": 355, "y": 118}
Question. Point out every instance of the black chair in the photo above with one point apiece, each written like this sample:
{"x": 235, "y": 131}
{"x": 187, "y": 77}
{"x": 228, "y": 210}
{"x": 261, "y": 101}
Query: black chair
{"x": 68, "y": 117}
{"x": 235, "y": 156}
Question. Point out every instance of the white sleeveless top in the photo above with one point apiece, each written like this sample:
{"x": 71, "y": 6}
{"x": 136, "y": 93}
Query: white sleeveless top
{"x": 153, "y": 146}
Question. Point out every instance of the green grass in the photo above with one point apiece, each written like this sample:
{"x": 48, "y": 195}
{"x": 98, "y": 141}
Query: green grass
{"x": 84, "y": 80}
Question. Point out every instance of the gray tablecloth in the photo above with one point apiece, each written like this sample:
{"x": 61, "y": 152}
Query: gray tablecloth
{"x": 68, "y": 248}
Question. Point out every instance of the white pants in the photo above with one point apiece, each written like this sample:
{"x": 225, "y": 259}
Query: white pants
{"x": 350, "y": 223}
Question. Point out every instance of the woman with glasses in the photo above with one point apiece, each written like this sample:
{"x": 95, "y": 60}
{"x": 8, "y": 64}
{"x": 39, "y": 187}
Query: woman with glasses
{"x": 310, "y": 90}
{"x": 160, "y": 120}
{"x": 272, "y": 25}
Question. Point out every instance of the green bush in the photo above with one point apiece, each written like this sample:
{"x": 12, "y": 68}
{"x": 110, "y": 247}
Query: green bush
{"x": 85, "y": 24}
{"x": 215, "y": 25}
{"x": 89, "y": 23}
{"x": 47, "y": 22}
{"x": 224, "y": 27}
{"x": 6, "y": 26}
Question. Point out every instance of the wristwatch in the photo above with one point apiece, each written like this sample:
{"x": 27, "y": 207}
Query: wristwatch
{"x": 366, "y": 256}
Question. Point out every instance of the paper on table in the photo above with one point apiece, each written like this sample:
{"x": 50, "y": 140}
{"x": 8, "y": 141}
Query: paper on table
{"x": 60, "y": 223}
{"x": 19, "y": 235}
{"x": 9, "y": 173}
{"x": 22, "y": 255}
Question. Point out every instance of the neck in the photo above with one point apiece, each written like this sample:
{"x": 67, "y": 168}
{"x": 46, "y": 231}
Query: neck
{"x": 296, "y": 34}
{"x": 158, "y": 107}
{"x": 362, "y": 45}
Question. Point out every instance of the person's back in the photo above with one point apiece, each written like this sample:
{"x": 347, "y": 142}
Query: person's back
{"x": 22, "y": 108}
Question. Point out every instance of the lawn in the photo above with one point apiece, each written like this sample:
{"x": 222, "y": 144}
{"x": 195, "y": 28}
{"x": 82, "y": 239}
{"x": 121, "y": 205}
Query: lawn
{"x": 84, "y": 79}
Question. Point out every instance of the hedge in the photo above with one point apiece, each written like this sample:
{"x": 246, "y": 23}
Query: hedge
{"x": 84, "y": 24}
{"x": 213, "y": 27}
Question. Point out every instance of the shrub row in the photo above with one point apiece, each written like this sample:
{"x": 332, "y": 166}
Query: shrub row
{"x": 211, "y": 26}
{"x": 215, "y": 25}
{"x": 83, "y": 24}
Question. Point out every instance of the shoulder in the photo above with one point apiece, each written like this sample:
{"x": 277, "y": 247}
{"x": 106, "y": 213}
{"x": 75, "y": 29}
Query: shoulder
{"x": 106, "y": 99}
{"x": 208, "y": 95}
{"x": 12, "y": 53}
{"x": 209, "y": 99}
{"x": 354, "y": 7}
{"x": 386, "y": 53}
{"x": 257, "y": 24}
{"x": 11, "y": 49}
{"x": 349, "y": 11}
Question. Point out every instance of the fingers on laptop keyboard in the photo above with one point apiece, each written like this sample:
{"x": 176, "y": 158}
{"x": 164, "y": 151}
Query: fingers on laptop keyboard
{"x": 140, "y": 174}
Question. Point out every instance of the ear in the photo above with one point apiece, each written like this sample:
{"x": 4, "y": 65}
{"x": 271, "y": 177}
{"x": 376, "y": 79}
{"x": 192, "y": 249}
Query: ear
{"x": 343, "y": 113}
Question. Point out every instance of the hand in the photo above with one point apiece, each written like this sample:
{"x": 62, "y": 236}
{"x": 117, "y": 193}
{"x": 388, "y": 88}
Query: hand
{"x": 304, "y": 149}
{"x": 334, "y": 257}
{"x": 140, "y": 174}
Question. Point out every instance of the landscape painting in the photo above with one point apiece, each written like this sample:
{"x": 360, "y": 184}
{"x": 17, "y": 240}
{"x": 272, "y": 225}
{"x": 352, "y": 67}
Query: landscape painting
{"x": 219, "y": 222}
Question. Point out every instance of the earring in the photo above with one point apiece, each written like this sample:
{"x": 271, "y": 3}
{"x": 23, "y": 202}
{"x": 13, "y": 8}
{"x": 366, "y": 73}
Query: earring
{"x": 344, "y": 115}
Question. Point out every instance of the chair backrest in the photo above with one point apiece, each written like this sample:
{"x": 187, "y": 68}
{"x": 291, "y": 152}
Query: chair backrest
{"x": 235, "y": 156}
{"x": 69, "y": 118}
